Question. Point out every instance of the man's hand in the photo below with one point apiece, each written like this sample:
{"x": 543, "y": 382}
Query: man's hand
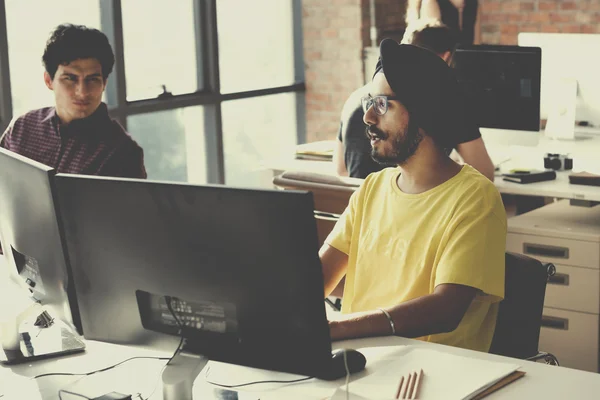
{"x": 438, "y": 312}
{"x": 346, "y": 326}
{"x": 334, "y": 264}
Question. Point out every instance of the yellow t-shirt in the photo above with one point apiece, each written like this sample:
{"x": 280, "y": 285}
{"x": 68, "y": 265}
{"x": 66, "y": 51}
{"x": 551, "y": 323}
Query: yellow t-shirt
{"x": 401, "y": 246}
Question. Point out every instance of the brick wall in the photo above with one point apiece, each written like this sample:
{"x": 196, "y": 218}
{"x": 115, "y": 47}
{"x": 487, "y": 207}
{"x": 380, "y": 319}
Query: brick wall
{"x": 389, "y": 18}
{"x": 332, "y": 57}
{"x": 502, "y": 20}
{"x": 335, "y": 32}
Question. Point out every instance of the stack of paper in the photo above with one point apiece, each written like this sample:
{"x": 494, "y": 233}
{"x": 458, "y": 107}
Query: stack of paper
{"x": 321, "y": 150}
{"x": 446, "y": 376}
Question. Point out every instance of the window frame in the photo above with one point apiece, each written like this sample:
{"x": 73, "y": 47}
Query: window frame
{"x": 207, "y": 63}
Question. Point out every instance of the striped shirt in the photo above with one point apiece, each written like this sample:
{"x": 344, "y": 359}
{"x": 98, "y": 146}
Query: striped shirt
{"x": 96, "y": 145}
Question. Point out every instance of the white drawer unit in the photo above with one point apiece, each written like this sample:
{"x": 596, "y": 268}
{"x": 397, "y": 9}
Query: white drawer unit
{"x": 569, "y": 237}
{"x": 555, "y": 250}
{"x": 573, "y": 288}
{"x": 572, "y": 337}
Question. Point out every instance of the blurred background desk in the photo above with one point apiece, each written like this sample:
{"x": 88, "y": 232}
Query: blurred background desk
{"x": 584, "y": 151}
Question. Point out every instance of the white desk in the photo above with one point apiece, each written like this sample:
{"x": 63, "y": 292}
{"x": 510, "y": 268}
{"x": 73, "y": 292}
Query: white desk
{"x": 541, "y": 381}
{"x": 585, "y": 152}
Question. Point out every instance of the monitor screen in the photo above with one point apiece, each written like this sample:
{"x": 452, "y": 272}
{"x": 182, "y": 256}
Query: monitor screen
{"x": 502, "y": 85}
{"x": 30, "y": 234}
{"x": 569, "y": 56}
{"x": 242, "y": 266}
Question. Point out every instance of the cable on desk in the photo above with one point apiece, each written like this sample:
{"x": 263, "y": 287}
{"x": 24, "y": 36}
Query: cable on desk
{"x": 347, "y": 376}
{"x": 257, "y": 382}
{"x": 99, "y": 370}
{"x": 61, "y": 391}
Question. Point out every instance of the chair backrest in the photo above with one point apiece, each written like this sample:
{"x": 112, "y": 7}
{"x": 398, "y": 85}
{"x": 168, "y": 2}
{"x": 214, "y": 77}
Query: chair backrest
{"x": 331, "y": 195}
{"x": 520, "y": 314}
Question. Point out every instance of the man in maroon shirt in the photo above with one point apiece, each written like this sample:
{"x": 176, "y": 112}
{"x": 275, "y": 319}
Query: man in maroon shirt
{"x": 77, "y": 135}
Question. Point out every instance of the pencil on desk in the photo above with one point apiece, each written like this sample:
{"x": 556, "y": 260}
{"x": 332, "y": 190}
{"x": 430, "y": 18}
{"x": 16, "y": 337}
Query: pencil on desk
{"x": 409, "y": 387}
{"x": 399, "y": 387}
{"x": 418, "y": 382}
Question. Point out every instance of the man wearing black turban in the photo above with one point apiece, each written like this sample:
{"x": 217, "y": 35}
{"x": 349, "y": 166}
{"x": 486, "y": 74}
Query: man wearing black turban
{"x": 421, "y": 245}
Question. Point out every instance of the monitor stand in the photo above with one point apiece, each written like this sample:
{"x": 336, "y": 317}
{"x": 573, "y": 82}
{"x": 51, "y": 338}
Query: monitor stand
{"x": 179, "y": 375}
{"x": 561, "y": 113}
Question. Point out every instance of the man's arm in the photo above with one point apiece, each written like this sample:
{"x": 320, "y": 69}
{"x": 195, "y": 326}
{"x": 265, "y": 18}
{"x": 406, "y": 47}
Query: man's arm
{"x": 438, "y": 312}
{"x": 338, "y": 159}
{"x": 334, "y": 263}
{"x": 126, "y": 162}
{"x": 6, "y": 134}
{"x": 413, "y": 11}
{"x": 475, "y": 154}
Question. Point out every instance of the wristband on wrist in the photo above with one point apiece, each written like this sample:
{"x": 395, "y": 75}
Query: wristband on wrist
{"x": 389, "y": 317}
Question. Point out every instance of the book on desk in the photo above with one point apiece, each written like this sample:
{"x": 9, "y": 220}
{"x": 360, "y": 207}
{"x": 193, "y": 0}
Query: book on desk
{"x": 317, "y": 151}
{"x": 445, "y": 376}
{"x": 530, "y": 176}
{"x": 584, "y": 178}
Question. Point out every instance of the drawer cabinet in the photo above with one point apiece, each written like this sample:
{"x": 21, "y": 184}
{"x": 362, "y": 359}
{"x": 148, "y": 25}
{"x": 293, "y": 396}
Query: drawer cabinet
{"x": 572, "y": 337}
{"x": 568, "y": 237}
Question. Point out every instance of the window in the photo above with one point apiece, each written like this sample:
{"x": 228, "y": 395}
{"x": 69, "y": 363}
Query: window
{"x": 173, "y": 143}
{"x": 254, "y": 131}
{"x": 256, "y": 44}
{"x": 160, "y": 48}
{"x": 29, "y": 24}
{"x": 221, "y": 118}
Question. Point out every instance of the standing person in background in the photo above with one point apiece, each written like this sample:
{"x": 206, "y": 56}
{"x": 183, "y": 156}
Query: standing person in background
{"x": 460, "y": 15}
{"x": 352, "y": 155}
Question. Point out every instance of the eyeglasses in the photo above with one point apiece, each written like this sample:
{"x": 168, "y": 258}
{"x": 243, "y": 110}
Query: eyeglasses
{"x": 379, "y": 103}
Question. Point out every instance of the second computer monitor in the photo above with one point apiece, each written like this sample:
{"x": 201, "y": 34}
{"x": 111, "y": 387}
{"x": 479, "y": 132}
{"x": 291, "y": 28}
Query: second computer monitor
{"x": 502, "y": 87}
{"x": 240, "y": 265}
{"x": 569, "y": 56}
{"x": 30, "y": 233}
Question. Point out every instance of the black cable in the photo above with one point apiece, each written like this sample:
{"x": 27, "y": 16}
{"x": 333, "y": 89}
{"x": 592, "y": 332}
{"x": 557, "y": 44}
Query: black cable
{"x": 257, "y": 382}
{"x": 73, "y": 393}
{"x": 168, "y": 300}
{"x": 99, "y": 370}
{"x": 332, "y": 304}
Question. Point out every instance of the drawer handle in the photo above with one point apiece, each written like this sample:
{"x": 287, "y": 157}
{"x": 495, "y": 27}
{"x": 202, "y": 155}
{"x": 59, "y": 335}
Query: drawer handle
{"x": 559, "y": 279}
{"x": 545, "y": 250}
{"x": 555, "y": 323}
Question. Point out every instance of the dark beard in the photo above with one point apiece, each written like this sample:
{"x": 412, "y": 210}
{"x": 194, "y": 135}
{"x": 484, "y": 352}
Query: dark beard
{"x": 404, "y": 146}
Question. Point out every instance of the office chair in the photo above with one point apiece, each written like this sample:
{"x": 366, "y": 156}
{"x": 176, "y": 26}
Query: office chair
{"x": 331, "y": 195}
{"x": 520, "y": 314}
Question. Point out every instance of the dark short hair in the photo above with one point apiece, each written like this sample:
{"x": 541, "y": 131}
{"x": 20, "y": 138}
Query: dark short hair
{"x": 69, "y": 42}
{"x": 432, "y": 35}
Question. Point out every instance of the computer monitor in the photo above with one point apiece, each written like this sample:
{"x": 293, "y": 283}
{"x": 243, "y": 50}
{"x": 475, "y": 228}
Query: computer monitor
{"x": 502, "y": 88}
{"x": 33, "y": 247}
{"x": 570, "y": 88}
{"x": 241, "y": 265}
